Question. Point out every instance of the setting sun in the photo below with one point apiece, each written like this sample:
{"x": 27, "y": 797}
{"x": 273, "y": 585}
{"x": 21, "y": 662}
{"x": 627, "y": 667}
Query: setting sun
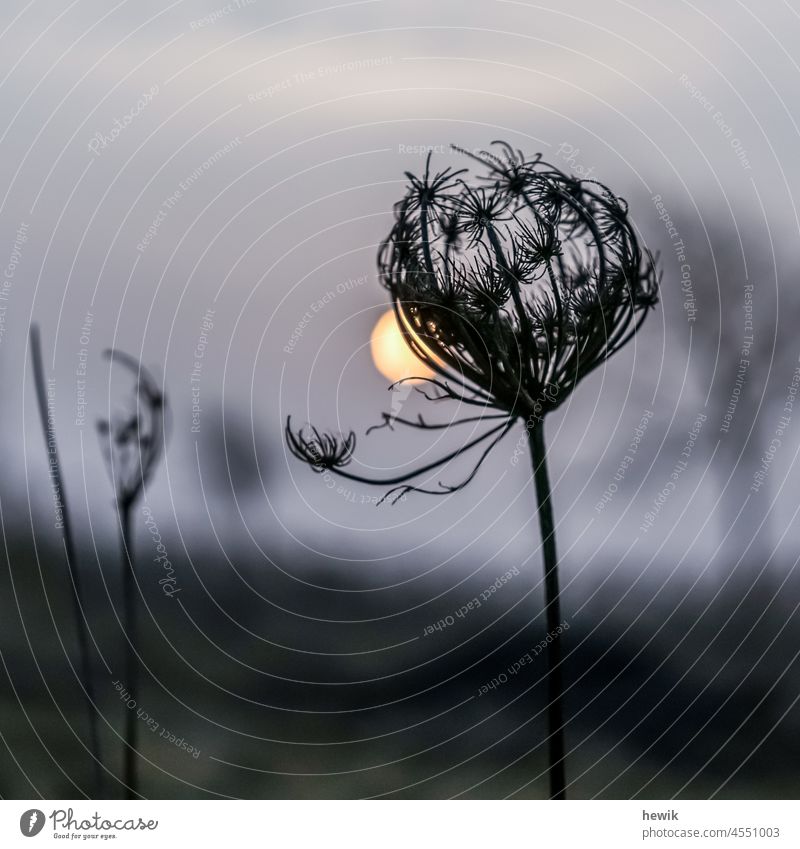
{"x": 390, "y": 353}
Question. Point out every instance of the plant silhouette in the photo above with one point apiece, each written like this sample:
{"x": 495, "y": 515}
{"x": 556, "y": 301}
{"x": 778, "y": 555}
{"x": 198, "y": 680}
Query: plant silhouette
{"x": 132, "y": 442}
{"x": 83, "y": 628}
{"x": 511, "y": 288}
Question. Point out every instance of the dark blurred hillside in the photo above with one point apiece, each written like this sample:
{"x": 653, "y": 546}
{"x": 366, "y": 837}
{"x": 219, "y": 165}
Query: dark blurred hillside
{"x": 289, "y": 690}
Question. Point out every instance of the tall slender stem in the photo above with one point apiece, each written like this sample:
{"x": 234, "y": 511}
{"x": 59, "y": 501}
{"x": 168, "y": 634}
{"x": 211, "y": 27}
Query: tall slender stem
{"x": 555, "y": 687}
{"x": 77, "y": 595}
{"x": 129, "y": 591}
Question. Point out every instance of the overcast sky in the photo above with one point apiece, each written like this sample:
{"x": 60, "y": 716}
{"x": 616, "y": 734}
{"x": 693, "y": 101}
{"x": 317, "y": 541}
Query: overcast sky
{"x": 205, "y": 172}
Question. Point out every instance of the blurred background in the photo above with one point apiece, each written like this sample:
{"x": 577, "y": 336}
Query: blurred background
{"x": 204, "y": 186}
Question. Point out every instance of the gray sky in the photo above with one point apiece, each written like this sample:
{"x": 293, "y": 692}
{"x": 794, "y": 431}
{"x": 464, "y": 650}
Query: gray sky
{"x": 244, "y": 158}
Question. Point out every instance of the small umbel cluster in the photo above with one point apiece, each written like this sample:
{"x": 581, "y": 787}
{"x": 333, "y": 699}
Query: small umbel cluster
{"x": 132, "y": 441}
{"x": 511, "y": 287}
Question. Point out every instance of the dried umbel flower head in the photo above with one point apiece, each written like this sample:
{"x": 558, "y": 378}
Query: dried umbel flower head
{"x": 518, "y": 285}
{"x": 132, "y": 440}
{"x": 322, "y": 451}
{"x": 511, "y": 287}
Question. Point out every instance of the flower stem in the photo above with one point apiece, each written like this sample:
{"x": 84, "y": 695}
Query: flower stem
{"x": 78, "y": 599}
{"x": 129, "y": 591}
{"x": 555, "y": 687}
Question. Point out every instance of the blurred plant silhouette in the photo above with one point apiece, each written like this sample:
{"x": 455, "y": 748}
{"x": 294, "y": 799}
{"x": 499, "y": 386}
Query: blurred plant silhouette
{"x": 132, "y": 442}
{"x": 83, "y": 629}
{"x": 511, "y": 288}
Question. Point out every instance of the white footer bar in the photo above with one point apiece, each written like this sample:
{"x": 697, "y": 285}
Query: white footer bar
{"x": 401, "y": 824}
